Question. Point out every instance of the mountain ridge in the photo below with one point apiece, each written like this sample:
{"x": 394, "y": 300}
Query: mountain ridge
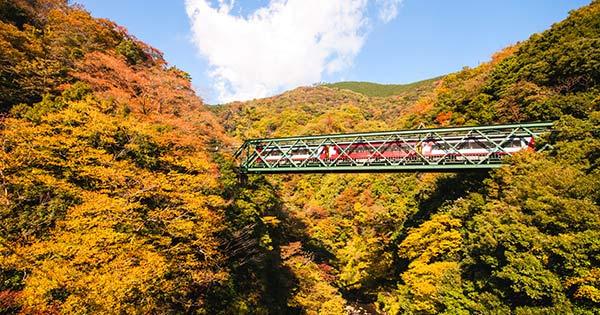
{"x": 375, "y": 89}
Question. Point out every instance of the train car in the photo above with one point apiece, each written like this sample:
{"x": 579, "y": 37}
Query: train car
{"x": 411, "y": 150}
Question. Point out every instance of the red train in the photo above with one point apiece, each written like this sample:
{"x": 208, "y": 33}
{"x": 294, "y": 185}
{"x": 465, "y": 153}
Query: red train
{"x": 454, "y": 149}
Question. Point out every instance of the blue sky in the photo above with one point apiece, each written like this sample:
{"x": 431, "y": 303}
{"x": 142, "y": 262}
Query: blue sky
{"x": 422, "y": 39}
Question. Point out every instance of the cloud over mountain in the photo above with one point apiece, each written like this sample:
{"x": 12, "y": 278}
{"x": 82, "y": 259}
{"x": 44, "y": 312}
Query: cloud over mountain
{"x": 284, "y": 44}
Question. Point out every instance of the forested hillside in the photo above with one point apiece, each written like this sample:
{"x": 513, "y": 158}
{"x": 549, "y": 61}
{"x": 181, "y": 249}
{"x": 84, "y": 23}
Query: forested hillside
{"x": 322, "y": 109}
{"x": 118, "y": 191}
{"x": 524, "y": 239}
{"x": 111, "y": 200}
{"x": 381, "y": 90}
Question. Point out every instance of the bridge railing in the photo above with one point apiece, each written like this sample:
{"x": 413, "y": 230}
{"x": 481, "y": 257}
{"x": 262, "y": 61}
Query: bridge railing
{"x": 439, "y": 149}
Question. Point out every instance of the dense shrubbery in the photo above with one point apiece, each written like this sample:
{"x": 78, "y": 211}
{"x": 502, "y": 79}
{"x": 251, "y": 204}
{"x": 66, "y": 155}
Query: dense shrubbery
{"x": 99, "y": 205}
{"x": 110, "y": 201}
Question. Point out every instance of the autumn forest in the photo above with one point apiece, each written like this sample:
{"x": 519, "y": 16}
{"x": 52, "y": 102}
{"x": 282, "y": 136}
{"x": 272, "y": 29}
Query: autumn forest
{"x": 119, "y": 192}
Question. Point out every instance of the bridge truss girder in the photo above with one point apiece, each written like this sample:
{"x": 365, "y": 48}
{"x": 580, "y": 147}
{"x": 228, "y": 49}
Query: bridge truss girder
{"x": 279, "y": 155}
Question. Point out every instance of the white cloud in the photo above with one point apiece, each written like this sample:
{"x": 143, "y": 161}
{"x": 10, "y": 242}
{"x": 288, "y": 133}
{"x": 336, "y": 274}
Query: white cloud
{"x": 388, "y": 9}
{"x": 280, "y": 46}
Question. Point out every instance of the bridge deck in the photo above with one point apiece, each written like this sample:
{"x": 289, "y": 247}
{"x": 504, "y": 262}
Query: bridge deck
{"x": 428, "y": 150}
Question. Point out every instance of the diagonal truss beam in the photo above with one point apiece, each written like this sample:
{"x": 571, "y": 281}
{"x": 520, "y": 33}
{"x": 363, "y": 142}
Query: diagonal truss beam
{"x": 402, "y": 150}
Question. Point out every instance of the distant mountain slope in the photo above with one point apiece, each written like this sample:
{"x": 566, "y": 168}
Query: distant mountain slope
{"x": 322, "y": 109}
{"x": 381, "y": 90}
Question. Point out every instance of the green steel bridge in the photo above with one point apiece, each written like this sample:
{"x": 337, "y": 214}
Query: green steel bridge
{"x": 425, "y": 150}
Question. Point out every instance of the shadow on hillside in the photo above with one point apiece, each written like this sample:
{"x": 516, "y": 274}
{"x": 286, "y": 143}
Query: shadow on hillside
{"x": 259, "y": 278}
{"x": 447, "y": 189}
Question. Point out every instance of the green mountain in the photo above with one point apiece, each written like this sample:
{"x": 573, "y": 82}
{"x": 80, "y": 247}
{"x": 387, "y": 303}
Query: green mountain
{"x": 381, "y": 90}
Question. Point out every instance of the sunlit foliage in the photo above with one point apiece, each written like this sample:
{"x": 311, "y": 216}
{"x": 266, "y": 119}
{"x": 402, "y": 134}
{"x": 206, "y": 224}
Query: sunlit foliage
{"x": 523, "y": 239}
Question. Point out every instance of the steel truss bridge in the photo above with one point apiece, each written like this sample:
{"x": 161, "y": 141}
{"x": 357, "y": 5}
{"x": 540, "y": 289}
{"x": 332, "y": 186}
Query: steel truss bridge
{"x": 389, "y": 151}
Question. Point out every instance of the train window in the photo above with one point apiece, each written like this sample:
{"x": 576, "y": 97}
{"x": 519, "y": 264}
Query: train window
{"x": 516, "y": 143}
{"x": 462, "y": 145}
{"x": 513, "y": 143}
{"x": 441, "y": 146}
{"x": 485, "y": 145}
